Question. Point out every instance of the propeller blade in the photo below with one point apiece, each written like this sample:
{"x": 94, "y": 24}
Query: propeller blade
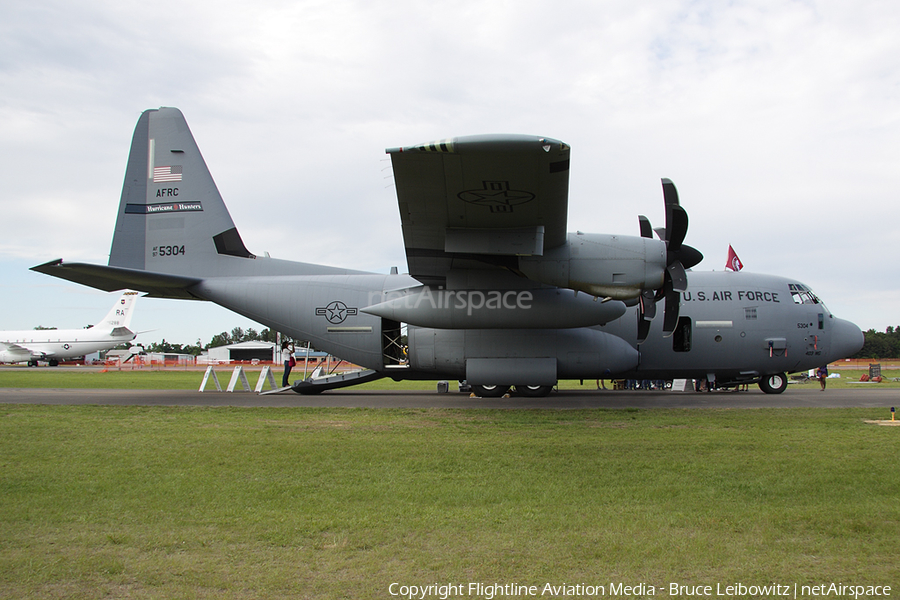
{"x": 643, "y": 329}
{"x": 670, "y": 194}
{"x": 646, "y": 230}
{"x": 679, "y": 257}
{"x": 676, "y": 227}
{"x": 689, "y": 256}
{"x": 677, "y": 278}
{"x": 646, "y": 314}
{"x": 670, "y": 317}
{"x": 648, "y": 305}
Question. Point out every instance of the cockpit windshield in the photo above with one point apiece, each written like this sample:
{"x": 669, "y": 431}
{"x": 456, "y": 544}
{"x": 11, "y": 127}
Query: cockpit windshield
{"x": 802, "y": 294}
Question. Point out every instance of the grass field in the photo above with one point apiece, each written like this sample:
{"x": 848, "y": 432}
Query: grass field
{"x": 137, "y": 502}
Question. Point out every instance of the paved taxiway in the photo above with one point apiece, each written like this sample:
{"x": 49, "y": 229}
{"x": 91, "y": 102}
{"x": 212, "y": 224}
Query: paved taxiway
{"x": 807, "y": 396}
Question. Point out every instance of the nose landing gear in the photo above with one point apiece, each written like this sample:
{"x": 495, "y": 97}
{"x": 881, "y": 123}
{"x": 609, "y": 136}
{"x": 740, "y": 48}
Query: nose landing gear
{"x": 774, "y": 383}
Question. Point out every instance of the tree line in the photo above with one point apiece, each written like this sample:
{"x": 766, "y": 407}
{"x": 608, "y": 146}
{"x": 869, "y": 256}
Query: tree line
{"x": 881, "y": 345}
{"x": 236, "y": 336}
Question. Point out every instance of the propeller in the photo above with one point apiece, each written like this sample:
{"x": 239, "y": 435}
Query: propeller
{"x": 679, "y": 258}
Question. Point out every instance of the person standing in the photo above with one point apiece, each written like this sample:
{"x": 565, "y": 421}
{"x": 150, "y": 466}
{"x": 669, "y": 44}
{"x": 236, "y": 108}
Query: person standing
{"x": 287, "y": 355}
{"x": 822, "y": 375}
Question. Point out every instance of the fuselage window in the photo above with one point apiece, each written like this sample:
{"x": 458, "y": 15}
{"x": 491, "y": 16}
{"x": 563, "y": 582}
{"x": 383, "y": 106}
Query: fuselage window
{"x": 801, "y": 294}
{"x": 804, "y": 298}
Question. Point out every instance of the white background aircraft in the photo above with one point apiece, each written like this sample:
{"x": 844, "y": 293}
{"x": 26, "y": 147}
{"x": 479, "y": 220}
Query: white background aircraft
{"x": 52, "y": 345}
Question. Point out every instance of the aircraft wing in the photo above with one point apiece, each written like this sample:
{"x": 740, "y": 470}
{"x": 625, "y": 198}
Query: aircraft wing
{"x": 12, "y": 351}
{"x": 480, "y": 201}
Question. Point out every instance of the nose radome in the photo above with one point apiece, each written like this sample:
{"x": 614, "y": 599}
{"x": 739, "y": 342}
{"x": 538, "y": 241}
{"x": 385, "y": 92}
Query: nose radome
{"x": 846, "y": 339}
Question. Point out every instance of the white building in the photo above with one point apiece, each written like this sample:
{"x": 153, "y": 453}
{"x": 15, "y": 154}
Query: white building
{"x": 245, "y": 352}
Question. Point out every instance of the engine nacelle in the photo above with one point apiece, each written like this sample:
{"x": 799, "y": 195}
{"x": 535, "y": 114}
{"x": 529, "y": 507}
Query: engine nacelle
{"x": 14, "y": 356}
{"x": 607, "y": 266}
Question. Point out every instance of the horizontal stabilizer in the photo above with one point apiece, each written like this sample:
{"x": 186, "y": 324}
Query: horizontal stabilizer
{"x": 156, "y": 285}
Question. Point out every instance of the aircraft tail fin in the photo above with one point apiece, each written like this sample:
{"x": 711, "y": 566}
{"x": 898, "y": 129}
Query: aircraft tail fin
{"x": 173, "y": 229}
{"x": 171, "y": 216}
{"x": 119, "y": 316}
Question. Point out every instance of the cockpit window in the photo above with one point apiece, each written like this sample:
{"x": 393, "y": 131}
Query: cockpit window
{"x": 802, "y": 294}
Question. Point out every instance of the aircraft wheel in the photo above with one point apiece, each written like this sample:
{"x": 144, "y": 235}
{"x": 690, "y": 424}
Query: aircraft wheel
{"x": 774, "y": 383}
{"x": 489, "y": 391}
{"x": 534, "y": 391}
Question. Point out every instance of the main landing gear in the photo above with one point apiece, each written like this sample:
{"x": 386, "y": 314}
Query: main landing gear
{"x": 496, "y": 391}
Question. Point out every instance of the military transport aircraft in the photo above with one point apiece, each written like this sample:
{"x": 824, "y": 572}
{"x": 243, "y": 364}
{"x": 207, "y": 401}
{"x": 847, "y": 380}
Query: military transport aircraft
{"x": 498, "y": 293}
{"x": 52, "y": 345}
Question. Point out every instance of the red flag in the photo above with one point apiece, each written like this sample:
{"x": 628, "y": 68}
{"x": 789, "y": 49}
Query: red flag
{"x": 734, "y": 263}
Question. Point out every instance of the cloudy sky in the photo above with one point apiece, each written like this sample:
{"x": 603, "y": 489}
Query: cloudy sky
{"x": 779, "y": 121}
